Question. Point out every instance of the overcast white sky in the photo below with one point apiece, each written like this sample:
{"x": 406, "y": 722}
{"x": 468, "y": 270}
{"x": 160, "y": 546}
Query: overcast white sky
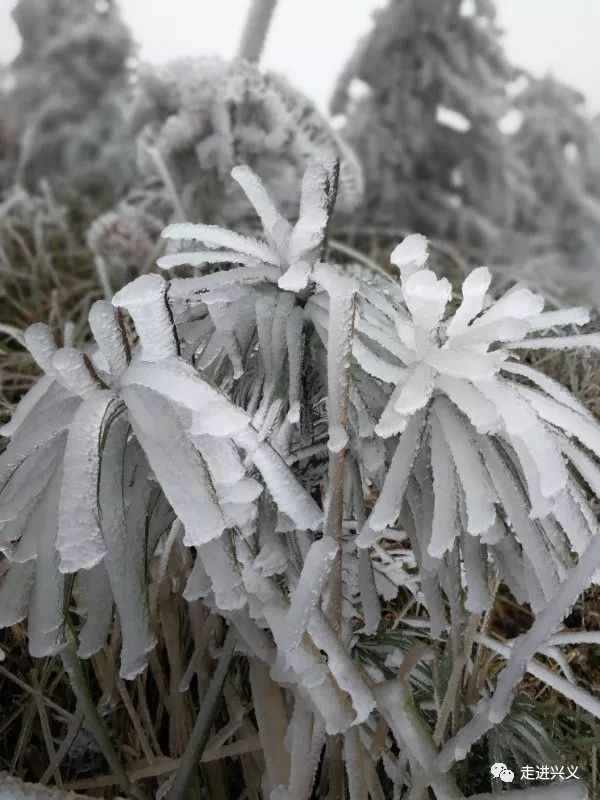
{"x": 310, "y": 40}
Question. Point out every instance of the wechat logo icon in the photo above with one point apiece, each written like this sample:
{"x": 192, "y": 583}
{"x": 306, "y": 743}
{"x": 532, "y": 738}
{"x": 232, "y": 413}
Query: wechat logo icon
{"x": 500, "y": 770}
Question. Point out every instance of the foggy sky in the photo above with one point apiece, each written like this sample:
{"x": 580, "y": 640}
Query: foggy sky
{"x": 310, "y": 40}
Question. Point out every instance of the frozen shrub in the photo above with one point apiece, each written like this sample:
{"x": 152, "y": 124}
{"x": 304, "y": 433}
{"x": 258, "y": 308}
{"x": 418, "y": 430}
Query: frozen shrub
{"x": 199, "y": 118}
{"x": 318, "y": 439}
{"x": 69, "y": 85}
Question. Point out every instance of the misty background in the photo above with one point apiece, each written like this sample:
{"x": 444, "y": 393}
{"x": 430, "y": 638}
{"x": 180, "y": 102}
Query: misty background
{"x": 306, "y": 44}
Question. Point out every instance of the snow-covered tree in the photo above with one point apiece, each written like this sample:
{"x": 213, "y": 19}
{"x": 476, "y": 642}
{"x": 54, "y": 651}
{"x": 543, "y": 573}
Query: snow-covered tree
{"x": 559, "y": 144}
{"x": 69, "y": 79}
{"x": 423, "y": 96}
{"x": 288, "y": 426}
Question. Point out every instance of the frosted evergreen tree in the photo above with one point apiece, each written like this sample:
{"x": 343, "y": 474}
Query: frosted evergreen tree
{"x": 560, "y": 145}
{"x": 432, "y": 77}
{"x": 69, "y": 79}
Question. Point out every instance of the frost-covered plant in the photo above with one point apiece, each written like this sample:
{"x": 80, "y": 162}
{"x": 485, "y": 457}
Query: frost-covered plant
{"x": 560, "y": 144}
{"x": 68, "y": 98}
{"x": 123, "y": 242}
{"x": 297, "y": 427}
{"x": 488, "y": 445}
{"x": 198, "y": 118}
{"x": 423, "y": 96}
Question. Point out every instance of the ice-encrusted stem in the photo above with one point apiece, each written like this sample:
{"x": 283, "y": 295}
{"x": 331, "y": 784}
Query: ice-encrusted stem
{"x": 340, "y": 333}
{"x": 396, "y": 705}
{"x": 579, "y": 696}
{"x": 269, "y": 710}
{"x": 94, "y": 722}
{"x": 203, "y": 724}
{"x": 492, "y": 711}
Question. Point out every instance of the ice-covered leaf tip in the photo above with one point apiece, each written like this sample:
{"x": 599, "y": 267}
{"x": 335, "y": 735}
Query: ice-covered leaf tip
{"x": 497, "y": 433}
{"x": 288, "y": 253}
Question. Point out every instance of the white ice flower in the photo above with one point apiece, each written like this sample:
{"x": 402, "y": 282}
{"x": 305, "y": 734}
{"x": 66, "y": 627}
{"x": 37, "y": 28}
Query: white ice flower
{"x": 498, "y": 442}
{"x": 289, "y": 252}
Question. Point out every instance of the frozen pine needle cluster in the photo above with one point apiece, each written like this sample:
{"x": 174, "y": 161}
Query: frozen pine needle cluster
{"x": 314, "y": 440}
